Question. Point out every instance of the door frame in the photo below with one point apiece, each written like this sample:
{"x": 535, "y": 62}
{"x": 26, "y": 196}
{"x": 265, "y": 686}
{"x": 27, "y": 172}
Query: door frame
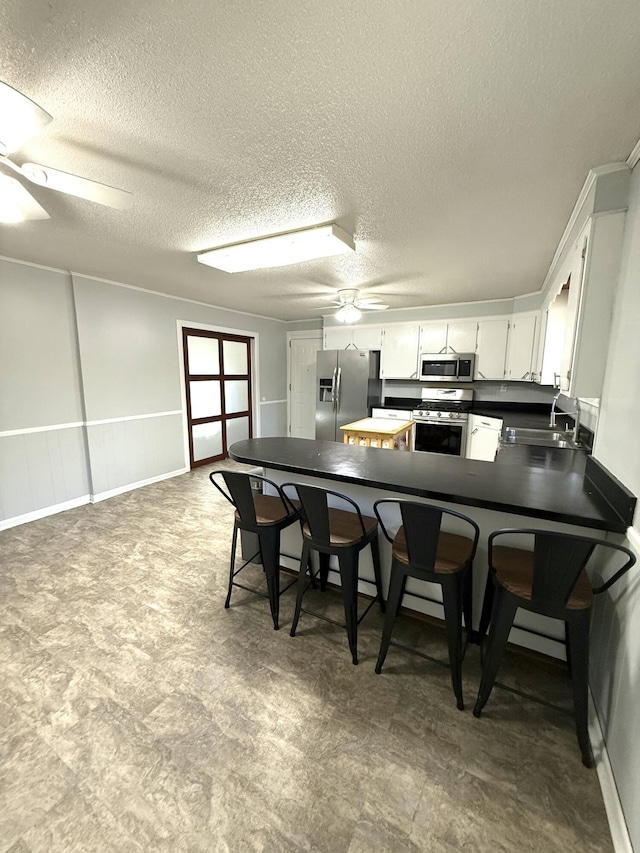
{"x": 255, "y": 376}
{"x": 309, "y": 334}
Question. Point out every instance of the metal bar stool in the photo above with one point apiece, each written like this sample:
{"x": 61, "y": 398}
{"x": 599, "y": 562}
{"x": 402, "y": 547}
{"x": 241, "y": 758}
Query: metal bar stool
{"x": 422, "y": 550}
{"x": 343, "y": 533}
{"x": 264, "y": 515}
{"x": 550, "y": 580}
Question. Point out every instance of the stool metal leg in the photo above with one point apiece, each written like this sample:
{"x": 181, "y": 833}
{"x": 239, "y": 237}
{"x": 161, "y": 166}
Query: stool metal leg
{"x": 502, "y": 616}
{"x": 375, "y": 556}
{"x": 467, "y": 599}
{"x": 578, "y": 636}
{"x": 305, "y": 563}
{"x": 348, "y": 562}
{"x": 396, "y": 592}
{"x": 452, "y": 601}
{"x": 324, "y": 570}
{"x": 487, "y": 605}
{"x": 270, "y": 550}
{"x": 232, "y": 564}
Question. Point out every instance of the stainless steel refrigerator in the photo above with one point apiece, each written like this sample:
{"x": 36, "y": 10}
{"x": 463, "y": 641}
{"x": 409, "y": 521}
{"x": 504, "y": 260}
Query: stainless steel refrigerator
{"x": 347, "y": 386}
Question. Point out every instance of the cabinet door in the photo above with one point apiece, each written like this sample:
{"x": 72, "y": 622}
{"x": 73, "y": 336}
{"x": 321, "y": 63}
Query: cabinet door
{"x": 399, "y": 358}
{"x": 433, "y": 338}
{"x": 461, "y": 336}
{"x": 484, "y": 437}
{"x": 338, "y": 337}
{"x": 367, "y": 337}
{"x": 491, "y": 349}
{"x": 522, "y": 339}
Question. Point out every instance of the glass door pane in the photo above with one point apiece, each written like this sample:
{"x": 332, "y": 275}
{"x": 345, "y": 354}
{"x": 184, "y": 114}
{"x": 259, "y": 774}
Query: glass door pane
{"x": 205, "y": 399}
{"x": 237, "y": 430}
{"x": 204, "y": 356}
{"x": 207, "y": 440}
{"x": 236, "y": 395}
{"x": 236, "y": 357}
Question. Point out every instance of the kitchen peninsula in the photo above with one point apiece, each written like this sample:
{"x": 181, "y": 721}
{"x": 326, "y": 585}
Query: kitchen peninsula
{"x": 558, "y": 489}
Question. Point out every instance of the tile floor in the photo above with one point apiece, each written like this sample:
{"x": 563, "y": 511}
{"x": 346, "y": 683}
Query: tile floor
{"x": 137, "y": 714}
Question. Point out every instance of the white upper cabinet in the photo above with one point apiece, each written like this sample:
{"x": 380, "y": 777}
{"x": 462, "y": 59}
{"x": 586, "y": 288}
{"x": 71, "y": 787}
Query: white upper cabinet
{"x": 367, "y": 337}
{"x": 589, "y": 309}
{"x": 433, "y": 337}
{"x": 579, "y": 318}
{"x": 491, "y": 348}
{"x": 399, "y": 358}
{"x": 521, "y": 351}
{"x": 461, "y": 336}
{"x": 360, "y": 337}
{"x": 456, "y": 336}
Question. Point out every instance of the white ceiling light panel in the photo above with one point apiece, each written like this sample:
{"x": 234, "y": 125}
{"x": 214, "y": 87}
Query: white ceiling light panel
{"x": 281, "y": 250}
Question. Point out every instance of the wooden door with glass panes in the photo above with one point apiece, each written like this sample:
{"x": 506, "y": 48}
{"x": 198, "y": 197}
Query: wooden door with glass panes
{"x": 217, "y": 371}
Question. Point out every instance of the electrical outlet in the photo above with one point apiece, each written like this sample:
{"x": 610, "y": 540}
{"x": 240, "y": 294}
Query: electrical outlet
{"x": 504, "y": 386}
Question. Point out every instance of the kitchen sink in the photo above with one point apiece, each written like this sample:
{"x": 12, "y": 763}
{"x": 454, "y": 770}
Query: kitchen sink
{"x": 539, "y": 437}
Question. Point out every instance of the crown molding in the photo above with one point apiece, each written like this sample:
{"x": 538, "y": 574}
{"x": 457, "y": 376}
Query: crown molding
{"x": 634, "y": 157}
{"x": 592, "y": 177}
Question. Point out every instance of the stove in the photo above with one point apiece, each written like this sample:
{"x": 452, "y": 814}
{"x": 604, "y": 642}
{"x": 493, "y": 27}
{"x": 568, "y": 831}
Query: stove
{"x": 441, "y": 420}
{"x": 444, "y": 404}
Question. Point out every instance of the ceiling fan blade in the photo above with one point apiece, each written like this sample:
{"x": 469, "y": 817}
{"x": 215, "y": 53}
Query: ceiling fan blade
{"x": 17, "y": 204}
{"x": 20, "y": 118}
{"x": 370, "y": 306}
{"x": 80, "y": 187}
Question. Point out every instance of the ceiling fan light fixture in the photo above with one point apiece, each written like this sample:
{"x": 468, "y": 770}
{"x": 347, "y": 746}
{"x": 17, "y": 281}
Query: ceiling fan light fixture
{"x": 16, "y": 204}
{"x": 280, "y": 250}
{"x": 348, "y": 314}
{"x": 20, "y": 118}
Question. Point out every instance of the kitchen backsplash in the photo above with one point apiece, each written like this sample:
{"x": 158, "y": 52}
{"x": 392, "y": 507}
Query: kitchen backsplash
{"x": 498, "y": 392}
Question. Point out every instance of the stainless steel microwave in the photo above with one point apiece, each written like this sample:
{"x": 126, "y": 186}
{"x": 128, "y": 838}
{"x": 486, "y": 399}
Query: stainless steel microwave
{"x": 446, "y": 367}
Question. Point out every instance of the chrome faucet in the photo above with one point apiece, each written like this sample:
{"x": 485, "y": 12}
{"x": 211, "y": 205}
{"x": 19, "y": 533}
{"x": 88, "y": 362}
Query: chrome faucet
{"x": 575, "y": 414}
{"x": 552, "y": 420}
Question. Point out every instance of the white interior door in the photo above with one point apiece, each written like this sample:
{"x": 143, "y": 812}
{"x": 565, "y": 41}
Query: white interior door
{"x": 302, "y": 386}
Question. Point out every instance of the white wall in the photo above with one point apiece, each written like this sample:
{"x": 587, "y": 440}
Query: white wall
{"x": 91, "y": 400}
{"x": 615, "y": 644}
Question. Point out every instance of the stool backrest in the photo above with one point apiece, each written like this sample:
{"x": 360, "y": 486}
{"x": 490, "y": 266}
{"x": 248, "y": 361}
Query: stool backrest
{"x": 421, "y": 523}
{"x": 315, "y": 509}
{"x": 558, "y": 561}
{"x": 240, "y": 494}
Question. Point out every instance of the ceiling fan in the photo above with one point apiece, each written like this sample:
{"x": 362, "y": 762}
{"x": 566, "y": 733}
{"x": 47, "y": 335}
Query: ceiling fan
{"x": 351, "y": 304}
{"x": 20, "y": 119}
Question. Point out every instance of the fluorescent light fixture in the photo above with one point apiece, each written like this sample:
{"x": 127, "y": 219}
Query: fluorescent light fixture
{"x": 16, "y": 204}
{"x": 20, "y": 118}
{"x": 280, "y": 250}
{"x": 348, "y": 314}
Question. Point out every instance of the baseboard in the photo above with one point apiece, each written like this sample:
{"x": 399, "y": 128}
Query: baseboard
{"x": 612, "y": 804}
{"x": 130, "y": 487}
{"x": 6, "y": 523}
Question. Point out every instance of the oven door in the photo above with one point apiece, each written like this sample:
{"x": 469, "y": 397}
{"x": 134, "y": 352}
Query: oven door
{"x": 447, "y": 437}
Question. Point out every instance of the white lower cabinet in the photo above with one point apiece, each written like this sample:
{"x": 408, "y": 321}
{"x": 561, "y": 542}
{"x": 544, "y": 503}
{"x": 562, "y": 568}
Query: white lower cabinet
{"x": 483, "y": 437}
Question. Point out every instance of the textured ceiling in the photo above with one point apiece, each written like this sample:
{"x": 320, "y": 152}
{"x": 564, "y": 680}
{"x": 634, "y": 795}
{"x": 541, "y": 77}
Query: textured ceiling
{"x": 451, "y": 139}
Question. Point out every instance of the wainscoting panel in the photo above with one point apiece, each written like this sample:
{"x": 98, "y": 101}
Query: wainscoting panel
{"x": 133, "y": 450}
{"x": 40, "y": 470}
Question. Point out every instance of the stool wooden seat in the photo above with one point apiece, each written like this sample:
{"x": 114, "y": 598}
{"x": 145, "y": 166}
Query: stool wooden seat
{"x": 331, "y": 530}
{"x": 421, "y": 549}
{"x": 264, "y": 515}
{"x": 549, "y": 579}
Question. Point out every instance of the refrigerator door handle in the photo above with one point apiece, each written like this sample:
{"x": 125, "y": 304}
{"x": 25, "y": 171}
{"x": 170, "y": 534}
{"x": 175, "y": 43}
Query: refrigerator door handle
{"x": 339, "y": 383}
{"x": 334, "y": 390}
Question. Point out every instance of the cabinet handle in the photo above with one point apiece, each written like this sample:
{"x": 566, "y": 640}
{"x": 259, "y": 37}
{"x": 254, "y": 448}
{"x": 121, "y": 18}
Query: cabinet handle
{"x": 414, "y": 374}
{"x": 454, "y": 351}
{"x": 444, "y": 349}
{"x": 473, "y": 432}
{"x": 481, "y": 374}
{"x": 525, "y": 375}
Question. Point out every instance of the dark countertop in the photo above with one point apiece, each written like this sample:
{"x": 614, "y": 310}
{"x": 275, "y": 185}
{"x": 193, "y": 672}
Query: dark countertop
{"x": 539, "y": 482}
